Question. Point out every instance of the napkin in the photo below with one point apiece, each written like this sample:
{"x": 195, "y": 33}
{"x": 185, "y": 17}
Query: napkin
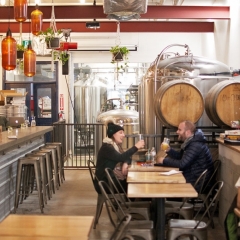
{"x": 171, "y": 172}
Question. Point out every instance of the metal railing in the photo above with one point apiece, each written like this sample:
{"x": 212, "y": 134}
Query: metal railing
{"x": 81, "y": 142}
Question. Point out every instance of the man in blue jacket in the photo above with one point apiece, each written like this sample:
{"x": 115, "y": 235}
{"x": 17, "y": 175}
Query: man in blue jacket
{"x": 194, "y": 156}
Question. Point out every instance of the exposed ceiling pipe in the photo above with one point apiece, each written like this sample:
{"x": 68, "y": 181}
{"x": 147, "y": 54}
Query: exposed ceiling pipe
{"x": 178, "y": 2}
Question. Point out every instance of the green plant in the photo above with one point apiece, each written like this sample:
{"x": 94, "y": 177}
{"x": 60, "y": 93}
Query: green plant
{"x": 62, "y": 56}
{"x": 49, "y": 34}
{"x": 20, "y": 47}
{"x": 123, "y": 52}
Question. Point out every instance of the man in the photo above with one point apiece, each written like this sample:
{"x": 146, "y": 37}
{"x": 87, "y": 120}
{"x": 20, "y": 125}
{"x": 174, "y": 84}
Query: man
{"x": 194, "y": 156}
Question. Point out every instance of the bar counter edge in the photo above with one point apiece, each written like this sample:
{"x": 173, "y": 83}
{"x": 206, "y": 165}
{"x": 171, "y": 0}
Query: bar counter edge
{"x": 229, "y": 174}
{"x": 11, "y": 149}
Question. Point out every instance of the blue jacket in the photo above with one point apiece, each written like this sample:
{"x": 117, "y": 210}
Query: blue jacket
{"x": 193, "y": 159}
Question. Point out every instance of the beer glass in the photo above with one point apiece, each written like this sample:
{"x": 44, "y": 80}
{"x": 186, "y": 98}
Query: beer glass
{"x": 165, "y": 144}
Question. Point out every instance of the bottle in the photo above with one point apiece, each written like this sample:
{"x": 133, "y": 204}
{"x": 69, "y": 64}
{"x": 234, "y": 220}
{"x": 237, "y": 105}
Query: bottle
{"x": 148, "y": 156}
{"x": 153, "y": 154}
{"x": 33, "y": 122}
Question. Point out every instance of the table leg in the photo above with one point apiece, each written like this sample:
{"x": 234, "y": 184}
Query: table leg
{"x": 160, "y": 226}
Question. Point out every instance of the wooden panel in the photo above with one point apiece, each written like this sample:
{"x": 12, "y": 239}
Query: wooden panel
{"x": 154, "y": 177}
{"x": 161, "y": 191}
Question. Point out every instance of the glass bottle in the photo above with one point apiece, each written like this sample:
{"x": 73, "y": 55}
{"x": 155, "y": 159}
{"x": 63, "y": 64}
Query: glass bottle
{"x": 20, "y": 10}
{"x": 153, "y": 154}
{"x": 29, "y": 62}
{"x": 33, "y": 122}
{"x": 36, "y": 21}
{"x": 9, "y": 52}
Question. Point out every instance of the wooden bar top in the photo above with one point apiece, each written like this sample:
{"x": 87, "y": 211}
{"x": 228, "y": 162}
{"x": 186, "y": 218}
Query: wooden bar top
{"x": 154, "y": 177}
{"x": 165, "y": 190}
{"x": 145, "y": 168}
{"x": 233, "y": 147}
{"x": 45, "y": 227}
{"x": 22, "y": 135}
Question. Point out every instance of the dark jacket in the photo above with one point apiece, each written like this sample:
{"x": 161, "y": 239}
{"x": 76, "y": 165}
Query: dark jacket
{"x": 193, "y": 159}
{"x": 108, "y": 157}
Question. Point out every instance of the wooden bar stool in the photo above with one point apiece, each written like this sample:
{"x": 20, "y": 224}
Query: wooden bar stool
{"x": 45, "y": 181}
{"x": 60, "y": 158}
{"x": 49, "y": 165}
{"x": 23, "y": 162}
{"x": 55, "y": 163}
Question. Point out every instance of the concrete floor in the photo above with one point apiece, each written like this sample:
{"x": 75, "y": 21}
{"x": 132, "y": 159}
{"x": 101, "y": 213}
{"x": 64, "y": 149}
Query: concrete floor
{"x": 77, "y": 196}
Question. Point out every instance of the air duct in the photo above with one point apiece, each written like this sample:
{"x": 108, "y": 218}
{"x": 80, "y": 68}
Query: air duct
{"x": 124, "y": 10}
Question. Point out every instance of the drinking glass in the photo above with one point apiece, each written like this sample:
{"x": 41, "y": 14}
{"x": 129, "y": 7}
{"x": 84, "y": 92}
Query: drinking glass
{"x": 165, "y": 144}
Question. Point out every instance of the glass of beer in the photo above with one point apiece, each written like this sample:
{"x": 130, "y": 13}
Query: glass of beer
{"x": 165, "y": 144}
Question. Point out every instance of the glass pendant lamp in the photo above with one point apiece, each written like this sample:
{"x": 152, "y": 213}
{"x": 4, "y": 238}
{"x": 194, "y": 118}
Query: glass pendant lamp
{"x": 20, "y": 10}
{"x": 9, "y": 52}
{"x": 29, "y": 58}
{"x": 36, "y": 21}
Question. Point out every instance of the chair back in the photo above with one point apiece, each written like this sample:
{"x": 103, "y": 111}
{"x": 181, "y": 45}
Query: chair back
{"x": 119, "y": 232}
{"x": 91, "y": 168}
{"x": 200, "y": 181}
{"x": 115, "y": 184}
{"x": 212, "y": 179}
{"x": 211, "y": 202}
{"x": 111, "y": 201}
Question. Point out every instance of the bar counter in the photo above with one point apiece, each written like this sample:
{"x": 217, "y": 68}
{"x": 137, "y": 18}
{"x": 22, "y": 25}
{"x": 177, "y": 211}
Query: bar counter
{"x": 230, "y": 172}
{"x": 11, "y": 149}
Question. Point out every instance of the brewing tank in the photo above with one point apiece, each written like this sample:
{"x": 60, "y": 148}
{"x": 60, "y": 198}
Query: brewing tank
{"x": 200, "y": 72}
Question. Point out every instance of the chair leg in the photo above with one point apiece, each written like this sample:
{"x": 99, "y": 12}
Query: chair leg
{"x": 100, "y": 202}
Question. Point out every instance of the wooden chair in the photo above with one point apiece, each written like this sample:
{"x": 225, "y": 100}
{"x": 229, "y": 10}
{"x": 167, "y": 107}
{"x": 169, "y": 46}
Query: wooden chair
{"x": 195, "y": 227}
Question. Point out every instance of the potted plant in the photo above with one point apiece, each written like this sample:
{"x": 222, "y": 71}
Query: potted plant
{"x": 63, "y": 57}
{"x": 51, "y": 37}
{"x": 20, "y": 51}
{"x": 120, "y": 54}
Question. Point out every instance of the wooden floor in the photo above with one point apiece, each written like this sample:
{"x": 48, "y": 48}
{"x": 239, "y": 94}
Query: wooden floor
{"x": 77, "y": 196}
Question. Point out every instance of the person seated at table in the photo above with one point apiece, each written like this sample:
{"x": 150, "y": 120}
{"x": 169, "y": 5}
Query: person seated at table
{"x": 111, "y": 154}
{"x": 194, "y": 156}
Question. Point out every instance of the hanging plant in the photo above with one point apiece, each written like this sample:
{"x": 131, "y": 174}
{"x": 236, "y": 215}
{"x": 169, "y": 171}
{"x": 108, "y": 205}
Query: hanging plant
{"x": 20, "y": 51}
{"x": 63, "y": 57}
{"x": 51, "y": 37}
{"x": 120, "y": 54}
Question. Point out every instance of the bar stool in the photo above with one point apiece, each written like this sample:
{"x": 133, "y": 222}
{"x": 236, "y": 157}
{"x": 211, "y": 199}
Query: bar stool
{"x": 55, "y": 163}
{"x": 60, "y": 157}
{"x": 24, "y": 163}
{"x": 45, "y": 180}
{"x": 49, "y": 165}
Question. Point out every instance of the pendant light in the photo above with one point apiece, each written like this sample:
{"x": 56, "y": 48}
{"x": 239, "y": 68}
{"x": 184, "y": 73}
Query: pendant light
{"x": 29, "y": 58}
{"x": 36, "y": 21}
{"x": 20, "y": 10}
{"x": 9, "y": 52}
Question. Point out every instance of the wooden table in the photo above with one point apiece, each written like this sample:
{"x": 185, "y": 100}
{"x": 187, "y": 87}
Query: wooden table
{"x": 154, "y": 177}
{"x": 45, "y": 227}
{"x": 160, "y": 192}
{"x": 144, "y": 168}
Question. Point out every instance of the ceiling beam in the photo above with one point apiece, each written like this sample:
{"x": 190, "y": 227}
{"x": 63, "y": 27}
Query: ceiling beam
{"x": 153, "y": 12}
{"x": 125, "y": 27}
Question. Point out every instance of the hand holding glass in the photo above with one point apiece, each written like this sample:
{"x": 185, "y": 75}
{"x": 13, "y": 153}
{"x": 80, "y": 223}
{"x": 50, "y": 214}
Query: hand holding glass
{"x": 165, "y": 144}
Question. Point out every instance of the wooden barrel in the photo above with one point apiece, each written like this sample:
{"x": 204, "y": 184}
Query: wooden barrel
{"x": 222, "y": 102}
{"x": 176, "y": 101}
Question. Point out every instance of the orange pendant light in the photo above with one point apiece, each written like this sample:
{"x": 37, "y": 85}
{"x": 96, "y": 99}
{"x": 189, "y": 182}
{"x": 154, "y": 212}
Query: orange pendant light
{"x": 9, "y": 52}
{"x": 29, "y": 58}
{"x": 20, "y": 10}
{"x": 36, "y": 21}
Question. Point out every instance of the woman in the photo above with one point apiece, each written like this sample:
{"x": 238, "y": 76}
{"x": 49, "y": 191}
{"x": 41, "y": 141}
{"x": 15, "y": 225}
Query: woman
{"x": 111, "y": 155}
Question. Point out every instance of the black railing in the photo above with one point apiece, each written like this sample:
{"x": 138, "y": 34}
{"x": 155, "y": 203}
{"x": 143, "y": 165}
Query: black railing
{"x": 81, "y": 142}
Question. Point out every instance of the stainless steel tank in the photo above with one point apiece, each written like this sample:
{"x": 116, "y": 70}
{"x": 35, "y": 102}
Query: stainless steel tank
{"x": 128, "y": 119}
{"x": 199, "y": 71}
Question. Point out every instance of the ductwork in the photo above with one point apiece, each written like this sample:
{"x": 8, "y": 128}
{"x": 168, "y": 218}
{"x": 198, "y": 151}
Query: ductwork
{"x": 124, "y": 10}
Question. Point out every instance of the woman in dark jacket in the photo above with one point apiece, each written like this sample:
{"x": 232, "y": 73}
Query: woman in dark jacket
{"x": 111, "y": 154}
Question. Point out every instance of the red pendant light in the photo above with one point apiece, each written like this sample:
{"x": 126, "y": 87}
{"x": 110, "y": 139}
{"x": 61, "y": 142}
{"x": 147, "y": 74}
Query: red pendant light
{"x": 29, "y": 58}
{"x": 9, "y": 52}
{"x": 20, "y": 10}
{"x": 36, "y": 21}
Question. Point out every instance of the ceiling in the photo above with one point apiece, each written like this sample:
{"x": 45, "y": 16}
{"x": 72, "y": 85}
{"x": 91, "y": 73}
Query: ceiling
{"x": 161, "y": 16}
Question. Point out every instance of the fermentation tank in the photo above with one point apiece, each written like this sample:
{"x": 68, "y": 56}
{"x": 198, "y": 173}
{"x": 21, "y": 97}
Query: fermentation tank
{"x": 128, "y": 119}
{"x": 175, "y": 87}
